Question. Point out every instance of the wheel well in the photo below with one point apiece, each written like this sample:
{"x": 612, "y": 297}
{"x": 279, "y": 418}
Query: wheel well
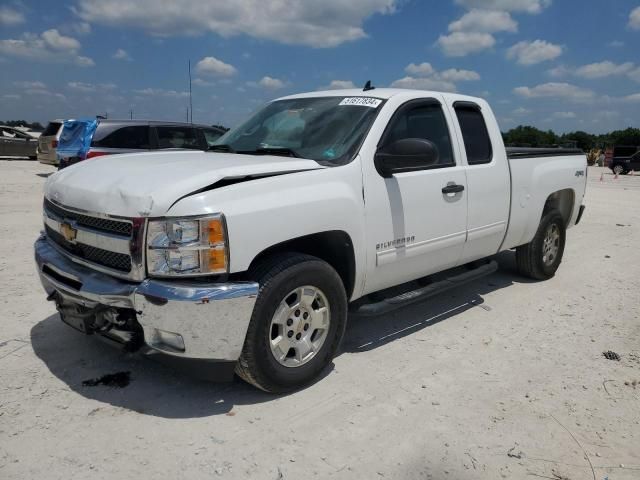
{"x": 563, "y": 201}
{"x": 334, "y": 247}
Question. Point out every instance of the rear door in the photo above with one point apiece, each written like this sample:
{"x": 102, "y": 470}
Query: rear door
{"x": 417, "y": 228}
{"x": 488, "y": 179}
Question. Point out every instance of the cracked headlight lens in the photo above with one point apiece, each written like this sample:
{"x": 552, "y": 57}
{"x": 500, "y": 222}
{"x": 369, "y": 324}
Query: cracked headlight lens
{"x": 187, "y": 246}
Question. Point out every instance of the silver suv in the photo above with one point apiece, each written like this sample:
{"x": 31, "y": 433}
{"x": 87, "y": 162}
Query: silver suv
{"x": 48, "y": 142}
{"x": 130, "y": 136}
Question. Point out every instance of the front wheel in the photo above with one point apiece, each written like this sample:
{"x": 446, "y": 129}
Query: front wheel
{"x": 297, "y": 323}
{"x": 540, "y": 258}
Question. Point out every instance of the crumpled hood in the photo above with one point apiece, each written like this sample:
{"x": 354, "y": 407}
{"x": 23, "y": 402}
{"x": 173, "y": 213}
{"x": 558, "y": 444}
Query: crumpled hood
{"x": 147, "y": 184}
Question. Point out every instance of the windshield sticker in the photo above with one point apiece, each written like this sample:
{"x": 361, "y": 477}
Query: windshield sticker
{"x": 361, "y": 101}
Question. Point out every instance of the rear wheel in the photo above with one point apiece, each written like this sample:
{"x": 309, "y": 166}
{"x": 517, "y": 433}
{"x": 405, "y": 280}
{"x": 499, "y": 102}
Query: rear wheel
{"x": 619, "y": 170}
{"x": 540, "y": 258}
{"x": 297, "y": 323}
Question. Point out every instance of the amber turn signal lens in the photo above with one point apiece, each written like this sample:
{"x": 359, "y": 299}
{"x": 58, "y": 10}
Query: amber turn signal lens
{"x": 217, "y": 260}
{"x": 215, "y": 231}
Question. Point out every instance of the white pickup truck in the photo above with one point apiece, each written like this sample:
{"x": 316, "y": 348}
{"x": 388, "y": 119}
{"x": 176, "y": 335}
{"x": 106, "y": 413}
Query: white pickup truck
{"x": 248, "y": 256}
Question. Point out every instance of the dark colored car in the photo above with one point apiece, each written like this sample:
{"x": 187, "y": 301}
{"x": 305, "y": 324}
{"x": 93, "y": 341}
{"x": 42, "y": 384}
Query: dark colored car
{"x": 16, "y": 143}
{"x": 131, "y": 136}
{"x": 622, "y": 159}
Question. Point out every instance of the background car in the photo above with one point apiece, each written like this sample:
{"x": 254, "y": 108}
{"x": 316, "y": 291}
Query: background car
{"x": 622, "y": 159}
{"x": 130, "y": 136}
{"x": 16, "y": 143}
{"x": 48, "y": 141}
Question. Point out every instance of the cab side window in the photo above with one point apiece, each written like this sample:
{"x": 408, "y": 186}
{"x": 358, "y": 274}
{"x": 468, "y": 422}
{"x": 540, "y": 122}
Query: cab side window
{"x": 425, "y": 121}
{"x": 474, "y": 133}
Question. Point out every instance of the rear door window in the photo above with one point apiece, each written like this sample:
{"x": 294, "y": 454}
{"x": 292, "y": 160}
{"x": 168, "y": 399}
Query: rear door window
{"x": 52, "y": 129}
{"x": 477, "y": 142}
{"x": 179, "y": 137}
{"x": 134, "y": 137}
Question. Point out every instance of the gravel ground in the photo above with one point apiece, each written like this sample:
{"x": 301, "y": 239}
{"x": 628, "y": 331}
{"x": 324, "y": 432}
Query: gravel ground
{"x": 503, "y": 378}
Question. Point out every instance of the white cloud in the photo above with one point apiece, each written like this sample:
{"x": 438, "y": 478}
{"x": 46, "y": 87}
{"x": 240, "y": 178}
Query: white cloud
{"x": 11, "y": 96}
{"x": 159, "y": 92}
{"x": 455, "y": 75}
{"x": 424, "y": 76}
{"x": 531, "y": 53}
{"x": 269, "y": 83}
{"x": 214, "y": 67}
{"x": 424, "y": 83}
{"x": 634, "y": 19}
{"x": 615, "y": 44}
{"x": 527, "y": 6}
{"x": 121, "y": 54}
{"x": 564, "y": 115}
{"x": 635, "y": 74}
{"x": 10, "y": 17}
{"x": 90, "y": 87}
{"x": 318, "y": 24}
{"x": 559, "y": 71}
{"x": 604, "y": 69}
{"x": 488, "y": 21}
{"x": 460, "y": 44}
{"x": 521, "y": 111}
{"x": 424, "y": 69}
{"x": 555, "y": 90}
{"x": 50, "y": 46}
{"x": 27, "y": 84}
{"x": 56, "y": 41}
{"x": 633, "y": 98}
{"x": 203, "y": 83}
{"x": 339, "y": 85}
{"x": 81, "y": 28}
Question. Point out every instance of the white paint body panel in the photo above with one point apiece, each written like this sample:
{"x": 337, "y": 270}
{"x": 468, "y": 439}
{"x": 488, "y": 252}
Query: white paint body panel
{"x": 500, "y": 207}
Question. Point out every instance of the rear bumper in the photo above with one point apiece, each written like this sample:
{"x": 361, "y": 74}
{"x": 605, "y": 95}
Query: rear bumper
{"x": 184, "y": 319}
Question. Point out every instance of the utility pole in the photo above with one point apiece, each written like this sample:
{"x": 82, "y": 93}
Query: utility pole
{"x": 131, "y": 113}
{"x": 190, "y": 100}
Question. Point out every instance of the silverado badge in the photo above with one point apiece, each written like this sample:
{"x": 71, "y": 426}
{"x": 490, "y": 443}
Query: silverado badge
{"x": 68, "y": 232}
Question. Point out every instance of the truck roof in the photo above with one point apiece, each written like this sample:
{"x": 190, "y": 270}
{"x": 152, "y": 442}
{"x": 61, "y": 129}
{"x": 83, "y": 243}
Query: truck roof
{"x": 384, "y": 93}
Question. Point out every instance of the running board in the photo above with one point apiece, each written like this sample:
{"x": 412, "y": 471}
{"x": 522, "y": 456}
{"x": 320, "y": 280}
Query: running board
{"x": 413, "y": 296}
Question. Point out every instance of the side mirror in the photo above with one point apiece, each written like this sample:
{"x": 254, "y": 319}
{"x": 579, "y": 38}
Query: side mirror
{"x": 406, "y": 155}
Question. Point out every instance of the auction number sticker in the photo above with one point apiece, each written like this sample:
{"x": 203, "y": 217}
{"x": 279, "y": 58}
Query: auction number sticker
{"x": 361, "y": 101}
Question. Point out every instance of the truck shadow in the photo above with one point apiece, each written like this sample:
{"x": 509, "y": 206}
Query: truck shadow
{"x": 157, "y": 390}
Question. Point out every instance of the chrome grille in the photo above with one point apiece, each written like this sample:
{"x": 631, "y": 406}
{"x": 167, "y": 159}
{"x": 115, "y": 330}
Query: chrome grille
{"x": 113, "y": 245}
{"x": 115, "y": 227}
{"x": 117, "y": 261}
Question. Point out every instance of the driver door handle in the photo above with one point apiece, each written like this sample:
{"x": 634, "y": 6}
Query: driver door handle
{"x": 452, "y": 189}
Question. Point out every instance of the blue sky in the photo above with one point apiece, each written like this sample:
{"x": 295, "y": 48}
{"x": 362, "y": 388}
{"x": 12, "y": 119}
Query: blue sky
{"x": 560, "y": 64}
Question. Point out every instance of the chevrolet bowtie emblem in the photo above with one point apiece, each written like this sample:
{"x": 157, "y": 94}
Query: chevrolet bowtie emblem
{"x": 68, "y": 232}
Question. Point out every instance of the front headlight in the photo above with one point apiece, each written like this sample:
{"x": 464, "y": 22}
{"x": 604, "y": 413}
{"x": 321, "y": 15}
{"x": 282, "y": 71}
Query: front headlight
{"x": 187, "y": 246}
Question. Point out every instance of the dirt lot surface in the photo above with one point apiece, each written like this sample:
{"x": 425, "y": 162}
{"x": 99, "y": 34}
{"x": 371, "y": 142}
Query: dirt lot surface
{"x": 504, "y": 378}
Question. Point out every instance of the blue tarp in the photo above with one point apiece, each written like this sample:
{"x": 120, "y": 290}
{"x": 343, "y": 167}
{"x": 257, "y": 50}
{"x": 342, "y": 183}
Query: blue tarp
{"x": 75, "y": 139}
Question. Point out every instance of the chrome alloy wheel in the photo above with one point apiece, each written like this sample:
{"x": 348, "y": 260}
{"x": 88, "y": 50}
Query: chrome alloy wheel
{"x": 618, "y": 169}
{"x": 551, "y": 244}
{"x": 299, "y": 326}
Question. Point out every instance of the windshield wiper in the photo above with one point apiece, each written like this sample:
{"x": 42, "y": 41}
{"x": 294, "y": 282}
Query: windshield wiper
{"x": 281, "y": 151}
{"x": 221, "y": 148}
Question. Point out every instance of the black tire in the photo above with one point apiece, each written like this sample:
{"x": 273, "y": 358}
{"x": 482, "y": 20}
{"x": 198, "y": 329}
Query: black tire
{"x": 621, "y": 169}
{"x": 529, "y": 257}
{"x": 278, "y": 275}
{"x": 33, "y": 158}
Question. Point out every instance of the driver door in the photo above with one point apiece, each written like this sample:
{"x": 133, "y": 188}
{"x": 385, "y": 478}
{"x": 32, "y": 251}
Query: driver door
{"x": 416, "y": 225}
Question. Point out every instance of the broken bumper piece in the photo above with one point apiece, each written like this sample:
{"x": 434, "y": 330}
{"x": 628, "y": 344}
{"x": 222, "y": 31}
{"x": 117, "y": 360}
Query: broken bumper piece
{"x": 186, "y": 319}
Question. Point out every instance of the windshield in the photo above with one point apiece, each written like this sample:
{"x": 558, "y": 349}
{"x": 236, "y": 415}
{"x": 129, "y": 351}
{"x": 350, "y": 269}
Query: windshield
{"x": 326, "y": 129}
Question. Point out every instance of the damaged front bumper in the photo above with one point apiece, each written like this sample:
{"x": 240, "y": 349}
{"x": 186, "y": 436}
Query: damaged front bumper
{"x": 186, "y": 319}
